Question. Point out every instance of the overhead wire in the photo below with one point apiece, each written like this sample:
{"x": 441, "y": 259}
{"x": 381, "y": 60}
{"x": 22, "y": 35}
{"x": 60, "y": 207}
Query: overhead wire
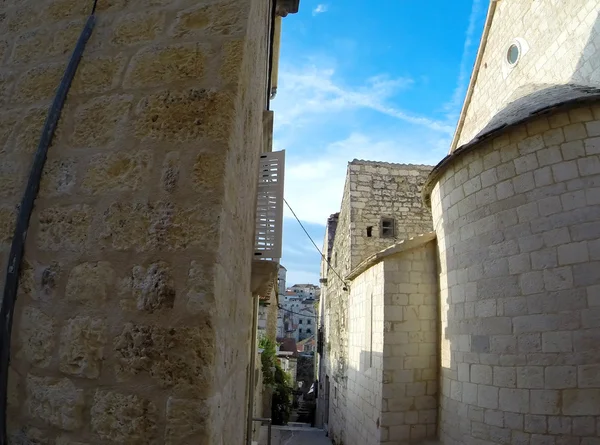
{"x": 314, "y": 244}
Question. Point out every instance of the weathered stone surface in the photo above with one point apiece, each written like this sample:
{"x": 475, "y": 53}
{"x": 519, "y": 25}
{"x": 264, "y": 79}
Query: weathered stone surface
{"x": 64, "y": 228}
{"x": 209, "y": 171}
{"x": 153, "y": 288}
{"x": 153, "y": 66}
{"x": 82, "y": 343}
{"x": 11, "y": 179}
{"x": 38, "y": 281}
{"x": 132, "y": 29}
{"x": 62, "y": 9}
{"x": 58, "y": 177}
{"x": 27, "y": 435}
{"x": 99, "y": 121}
{"x": 220, "y": 18}
{"x": 122, "y": 418}
{"x": 91, "y": 282}
{"x": 184, "y": 116}
{"x": 170, "y": 172}
{"x": 97, "y": 74}
{"x": 7, "y": 80}
{"x": 31, "y": 46}
{"x": 200, "y": 288}
{"x": 233, "y": 53}
{"x": 30, "y": 131}
{"x": 187, "y": 422}
{"x": 38, "y": 84}
{"x": 179, "y": 358}
{"x": 66, "y": 441}
{"x": 117, "y": 172}
{"x": 65, "y": 40}
{"x": 55, "y": 401}
{"x": 143, "y": 226}
{"x": 36, "y": 337}
{"x": 14, "y": 389}
{"x": 7, "y": 224}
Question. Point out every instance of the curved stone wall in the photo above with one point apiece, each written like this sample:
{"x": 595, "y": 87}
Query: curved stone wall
{"x": 518, "y": 226}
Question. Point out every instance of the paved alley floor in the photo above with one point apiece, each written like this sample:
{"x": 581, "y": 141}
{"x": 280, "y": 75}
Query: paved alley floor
{"x": 290, "y": 435}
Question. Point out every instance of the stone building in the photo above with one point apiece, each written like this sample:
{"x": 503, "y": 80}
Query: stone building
{"x": 515, "y": 252}
{"x": 378, "y": 309}
{"x": 139, "y": 283}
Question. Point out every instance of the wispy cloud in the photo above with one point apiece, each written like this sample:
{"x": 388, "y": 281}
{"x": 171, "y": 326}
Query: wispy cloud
{"x": 314, "y": 91}
{"x": 321, "y": 8}
{"x": 453, "y": 107}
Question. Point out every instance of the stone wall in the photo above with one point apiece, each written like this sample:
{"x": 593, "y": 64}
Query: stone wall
{"x": 563, "y": 41}
{"x": 518, "y": 227}
{"x": 410, "y": 352}
{"x": 380, "y": 189}
{"x": 365, "y": 360}
{"x": 137, "y": 267}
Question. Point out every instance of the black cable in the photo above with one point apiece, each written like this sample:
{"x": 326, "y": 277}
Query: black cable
{"x": 17, "y": 248}
{"x": 314, "y": 244}
{"x": 296, "y": 313}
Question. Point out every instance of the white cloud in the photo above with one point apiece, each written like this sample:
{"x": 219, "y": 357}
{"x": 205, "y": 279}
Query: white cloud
{"x": 314, "y": 185}
{"x": 309, "y": 92}
{"x": 453, "y": 107}
{"x": 321, "y": 8}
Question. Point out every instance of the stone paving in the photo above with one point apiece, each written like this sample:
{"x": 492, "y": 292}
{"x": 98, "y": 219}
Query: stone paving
{"x": 291, "y": 435}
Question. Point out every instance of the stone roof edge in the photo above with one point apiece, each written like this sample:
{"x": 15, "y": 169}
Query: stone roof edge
{"x": 474, "y": 143}
{"x": 383, "y": 163}
{"x": 402, "y": 246}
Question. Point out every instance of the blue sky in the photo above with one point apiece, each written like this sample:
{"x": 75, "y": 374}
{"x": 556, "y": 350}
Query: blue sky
{"x": 381, "y": 80}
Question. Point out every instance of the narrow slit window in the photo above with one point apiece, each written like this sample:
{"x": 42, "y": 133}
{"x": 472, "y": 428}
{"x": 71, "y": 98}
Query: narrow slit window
{"x": 387, "y": 227}
{"x": 369, "y": 231}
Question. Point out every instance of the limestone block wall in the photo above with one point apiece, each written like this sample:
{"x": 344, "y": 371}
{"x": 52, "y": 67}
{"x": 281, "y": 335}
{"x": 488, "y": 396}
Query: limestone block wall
{"x": 518, "y": 226}
{"x": 136, "y": 279}
{"x": 410, "y": 352}
{"x": 563, "y": 47}
{"x": 365, "y": 360}
{"x": 380, "y": 189}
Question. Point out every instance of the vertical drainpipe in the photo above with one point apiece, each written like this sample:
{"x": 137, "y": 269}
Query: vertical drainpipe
{"x": 252, "y": 373}
{"x": 276, "y": 47}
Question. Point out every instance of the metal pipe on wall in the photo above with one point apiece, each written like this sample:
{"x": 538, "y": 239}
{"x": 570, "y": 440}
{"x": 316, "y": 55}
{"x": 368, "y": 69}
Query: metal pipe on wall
{"x": 252, "y": 370}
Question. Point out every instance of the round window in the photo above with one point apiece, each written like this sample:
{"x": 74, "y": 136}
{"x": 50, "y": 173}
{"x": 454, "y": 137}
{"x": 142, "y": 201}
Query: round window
{"x": 513, "y": 53}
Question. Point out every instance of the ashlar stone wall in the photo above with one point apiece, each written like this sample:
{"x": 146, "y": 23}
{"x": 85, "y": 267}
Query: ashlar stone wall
{"x": 518, "y": 227}
{"x": 365, "y": 361}
{"x": 410, "y": 351}
{"x": 380, "y": 189}
{"x": 136, "y": 279}
{"x": 562, "y": 40}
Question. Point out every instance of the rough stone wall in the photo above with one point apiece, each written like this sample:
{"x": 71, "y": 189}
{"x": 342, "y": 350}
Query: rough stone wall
{"x": 380, "y": 189}
{"x": 365, "y": 359}
{"x": 563, "y": 39}
{"x": 410, "y": 353}
{"x": 138, "y": 254}
{"x": 336, "y": 321}
{"x": 518, "y": 227}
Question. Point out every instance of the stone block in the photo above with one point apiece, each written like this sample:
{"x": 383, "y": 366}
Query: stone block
{"x": 64, "y": 228}
{"x": 572, "y": 150}
{"x": 557, "y": 342}
{"x": 30, "y": 46}
{"x": 58, "y": 177}
{"x": 177, "y": 358}
{"x": 97, "y": 74}
{"x": 544, "y": 401}
{"x": 224, "y": 18}
{"x": 38, "y": 84}
{"x": 170, "y": 172}
{"x": 36, "y": 337}
{"x": 549, "y": 156}
{"x": 565, "y": 171}
{"x": 589, "y": 376}
{"x": 481, "y": 374}
{"x": 117, "y": 172}
{"x": 559, "y": 425}
{"x": 530, "y": 377}
{"x": 532, "y": 282}
{"x": 574, "y": 131}
{"x": 514, "y": 400}
{"x": 581, "y": 402}
{"x": 159, "y": 65}
{"x": 90, "y": 282}
{"x": 153, "y": 287}
{"x": 487, "y": 396}
{"x": 209, "y": 171}
{"x": 558, "y": 278}
{"x": 63, "y": 9}
{"x": 535, "y": 424}
{"x": 123, "y": 418}
{"x": 82, "y": 341}
{"x": 133, "y": 29}
{"x": 55, "y": 401}
{"x": 505, "y": 376}
{"x": 584, "y": 426}
{"x": 99, "y": 121}
{"x": 185, "y": 116}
